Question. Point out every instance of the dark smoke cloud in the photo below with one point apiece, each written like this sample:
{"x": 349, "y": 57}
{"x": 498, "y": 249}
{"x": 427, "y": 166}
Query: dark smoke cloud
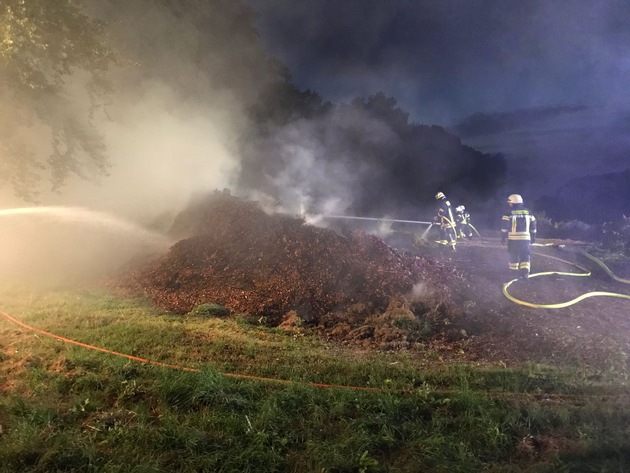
{"x": 448, "y": 59}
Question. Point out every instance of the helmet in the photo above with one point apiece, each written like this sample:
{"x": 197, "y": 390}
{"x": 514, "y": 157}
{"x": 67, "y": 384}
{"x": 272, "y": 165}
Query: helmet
{"x": 439, "y": 195}
{"x": 515, "y": 199}
{"x": 460, "y": 208}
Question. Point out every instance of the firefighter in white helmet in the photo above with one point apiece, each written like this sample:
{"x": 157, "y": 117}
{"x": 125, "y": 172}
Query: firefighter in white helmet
{"x": 519, "y": 230}
{"x": 462, "y": 220}
{"x": 446, "y": 221}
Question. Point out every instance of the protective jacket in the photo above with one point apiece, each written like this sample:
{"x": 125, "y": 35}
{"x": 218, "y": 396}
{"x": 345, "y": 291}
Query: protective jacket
{"x": 518, "y": 225}
{"x": 462, "y": 219}
{"x": 519, "y": 228}
{"x": 445, "y": 214}
{"x": 447, "y": 223}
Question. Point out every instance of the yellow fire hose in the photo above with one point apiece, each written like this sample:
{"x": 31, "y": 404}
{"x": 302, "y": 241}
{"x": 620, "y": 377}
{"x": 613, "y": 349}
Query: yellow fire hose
{"x": 604, "y": 267}
{"x": 586, "y": 273}
{"x": 471, "y": 226}
{"x": 453, "y": 226}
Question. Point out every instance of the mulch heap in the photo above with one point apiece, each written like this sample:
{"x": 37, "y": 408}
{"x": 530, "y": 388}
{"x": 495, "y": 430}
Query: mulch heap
{"x": 277, "y": 268}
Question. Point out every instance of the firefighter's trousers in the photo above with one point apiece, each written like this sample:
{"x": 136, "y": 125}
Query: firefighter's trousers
{"x": 519, "y": 252}
{"x": 448, "y": 235}
{"x": 465, "y": 230}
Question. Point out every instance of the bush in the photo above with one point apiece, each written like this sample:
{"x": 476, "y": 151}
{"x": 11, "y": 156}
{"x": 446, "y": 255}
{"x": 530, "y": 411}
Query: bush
{"x": 615, "y": 236}
{"x": 610, "y": 236}
{"x": 571, "y": 230}
{"x": 210, "y": 310}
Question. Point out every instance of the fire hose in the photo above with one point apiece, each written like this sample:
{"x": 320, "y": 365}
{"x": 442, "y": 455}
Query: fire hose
{"x": 184, "y": 368}
{"x": 472, "y": 226}
{"x": 452, "y": 224}
{"x": 393, "y": 220}
{"x": 377, "y": 219}
{"x": 502, "y": 393}
{"x": 586, "y": 273}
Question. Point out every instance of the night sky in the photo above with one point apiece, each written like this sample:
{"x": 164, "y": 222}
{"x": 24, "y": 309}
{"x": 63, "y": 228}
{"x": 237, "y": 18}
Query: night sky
{"x": 444, "y": 60}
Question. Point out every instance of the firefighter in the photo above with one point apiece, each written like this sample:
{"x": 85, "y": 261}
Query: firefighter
{"x": 462, "y": 220}
{"x": 446, "y": 221}
{"x": 519, "y": 229}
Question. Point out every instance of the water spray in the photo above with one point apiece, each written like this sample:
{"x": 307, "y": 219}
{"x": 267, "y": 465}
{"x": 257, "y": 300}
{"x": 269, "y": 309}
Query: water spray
{"x": 425, "y": 233}
{"x": 90, "y": 217}
{"x": 377, "y": 219}
{"x": 65, "y": 245}
{"x": 389, "y": 220}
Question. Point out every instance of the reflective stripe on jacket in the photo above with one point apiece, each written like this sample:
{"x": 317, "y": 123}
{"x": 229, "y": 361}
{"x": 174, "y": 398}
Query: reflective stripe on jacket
{"x": 519, "y": 224}
{"x": 445, "y": 214}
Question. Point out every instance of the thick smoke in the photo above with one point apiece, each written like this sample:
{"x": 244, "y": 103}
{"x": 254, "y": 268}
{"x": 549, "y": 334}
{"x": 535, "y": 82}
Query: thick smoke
{"x": 449, "y": 59}
{"x": 170, "y": 132}
{"x": 317, "y": 170}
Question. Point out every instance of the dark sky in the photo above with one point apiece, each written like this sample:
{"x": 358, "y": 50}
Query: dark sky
{"x": 446, "y": 59}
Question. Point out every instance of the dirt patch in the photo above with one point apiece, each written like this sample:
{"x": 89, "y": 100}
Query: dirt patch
{"x": 593, "y": 333}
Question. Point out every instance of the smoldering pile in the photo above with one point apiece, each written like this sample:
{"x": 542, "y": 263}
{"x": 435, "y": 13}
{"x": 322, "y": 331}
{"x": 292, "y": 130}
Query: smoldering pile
{"x": 270, "y": 265}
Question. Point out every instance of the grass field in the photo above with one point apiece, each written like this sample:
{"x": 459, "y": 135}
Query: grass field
{"x": 316, "y": 407}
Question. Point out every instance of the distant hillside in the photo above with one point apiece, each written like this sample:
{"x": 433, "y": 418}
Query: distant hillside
{"x": 592, "y": 199}
{"x": 546, "y": 148}
{"x": 480, "y": 124}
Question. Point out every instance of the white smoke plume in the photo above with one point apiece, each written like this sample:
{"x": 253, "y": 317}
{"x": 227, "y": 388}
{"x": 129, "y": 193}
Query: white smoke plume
{"x": 170, "y": 134}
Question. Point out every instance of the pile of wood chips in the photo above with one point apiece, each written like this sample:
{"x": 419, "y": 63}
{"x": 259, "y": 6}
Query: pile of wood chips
{"x": 234, "y": 254}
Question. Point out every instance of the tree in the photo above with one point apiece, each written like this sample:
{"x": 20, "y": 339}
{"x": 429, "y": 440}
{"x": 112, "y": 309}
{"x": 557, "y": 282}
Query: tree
{"x": 53, "y": 75}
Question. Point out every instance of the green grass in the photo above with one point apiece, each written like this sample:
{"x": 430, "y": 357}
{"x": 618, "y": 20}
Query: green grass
{"x": 67, "y": 408}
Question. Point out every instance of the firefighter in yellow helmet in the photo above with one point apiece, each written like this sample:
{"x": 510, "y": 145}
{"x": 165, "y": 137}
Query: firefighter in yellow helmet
{"x": 519, "y": 229}
{"x": 462, "y": 220}
{"x": 446, "y": 221}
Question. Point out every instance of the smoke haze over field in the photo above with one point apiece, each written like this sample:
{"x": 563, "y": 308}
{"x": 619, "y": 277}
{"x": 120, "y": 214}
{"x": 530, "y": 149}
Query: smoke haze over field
{"x": 174, "y": 122}
{"x": 54, "y": 245}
